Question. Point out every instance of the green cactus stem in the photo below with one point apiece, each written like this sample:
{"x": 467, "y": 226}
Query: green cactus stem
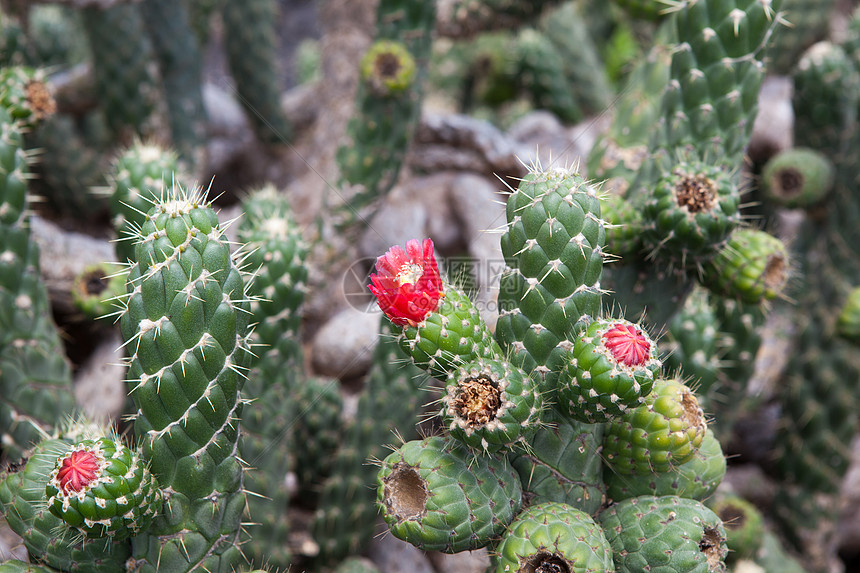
{"x": 186, "y": 330}
{"x": 848, "y": 323}
{"x": 122, "y": 56}
{"x": 103, "y": 489}
{"x": 136, "y": 178}
{"x": 658, "y": 436}
{"x": 562, "y": 463}
{"x": 623, "y": 226}
{"x": 15, "y": 566}
{"x": 797, "y": 177}
{"x": 250, "y": 40}
{"x": 97, "y": 289}
{"x": 554, "y": 537}
{"x": 390, "y": 404}
{"x": 693, "y": 344}
{"x": 695, "y": 479}
{"x": 690, "y": 213}
{"x": 491, "y": 405}
{"x": 437, "y": 496}
{"x": 752, "y": 267}
{"x": 554, "y": 251}
{"x": 648, "y": 533}
{"x": 387, "y": 106}
{"x": 442, "y": 328}
{"x": 25, "y": 95}
{"x": 744, "y": 525}
{"x": 35, "y": 380}
{"x": 181, "y": 71}
{"x": 611, "y": 368}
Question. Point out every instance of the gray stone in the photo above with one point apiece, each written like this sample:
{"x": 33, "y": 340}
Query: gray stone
{"x": 392, "y": 555}
{"x": 773, "y": 129}
{"x": 398, "y": 220}
{"x": 11, "y": 546}
{"x": 343, "y": 346}
{"x": 480, "y": 208}
{"x": 542, "y": 139}
{"x": 452, "y": 141}
{"x": 465, "y": 562}
{"x": 100, "y": 388}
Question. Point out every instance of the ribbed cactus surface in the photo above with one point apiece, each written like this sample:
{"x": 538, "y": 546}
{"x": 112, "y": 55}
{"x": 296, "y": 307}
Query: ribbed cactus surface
{"x": 437, "y": 496}
{"x": 122, "y": 68}
{"x": 136, "y": 178}
{"x": 554, "y": 537}
{"x": 251, "y": 43}
{"x": 664, "y": 534}
{"x": 553, "y": 248}
{"x": 563, "y": 464}
{"x": 186, "y": 330}
{"x": 390, "y": 403}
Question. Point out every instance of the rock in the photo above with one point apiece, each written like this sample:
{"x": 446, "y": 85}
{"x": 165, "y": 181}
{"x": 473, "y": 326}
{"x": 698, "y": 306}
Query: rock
{"x": 541, "y": 138}
{"x": 398, "y": 220}
{"x": 64, "y": 256}
{"x": 392, "y": 555}
{"x": 11, "y": 546}
{"x": 443, "y": 223}
{"x": 419, "y": 208}
{"x": 480, "y": 208}
{"x": 446, "y": 142}
{"x": 773, "y": 127}
{"x": 465, "y": 562}
{"x": 100, "y": 388}
{"x": 343, "y": 346}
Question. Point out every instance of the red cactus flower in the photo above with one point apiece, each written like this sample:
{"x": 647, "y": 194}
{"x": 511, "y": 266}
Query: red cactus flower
{"x": 627, "y": 344}
{"x": 408, "y": 286}
{"x": 77, "y": 470}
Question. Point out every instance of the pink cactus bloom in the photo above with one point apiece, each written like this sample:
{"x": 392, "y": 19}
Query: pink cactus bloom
{"x": 407, "y": 284}
{"x": 628, "y": 345}
{"x": 77, "y": 470}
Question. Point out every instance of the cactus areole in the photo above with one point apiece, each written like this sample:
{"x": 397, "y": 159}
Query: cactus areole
{"x": 78, "y": 470}
{"x": 477, "y": 400}
{"x": 407, "y": 284}
{"x": 696, "y": 192}
{"x": 628, "y": 345}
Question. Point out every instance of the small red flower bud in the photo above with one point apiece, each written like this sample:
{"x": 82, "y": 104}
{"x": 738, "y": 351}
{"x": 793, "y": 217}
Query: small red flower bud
{"x": 77, "y": 470}
{"x": 628, "y": 345}
{"x": 407, "y": 284}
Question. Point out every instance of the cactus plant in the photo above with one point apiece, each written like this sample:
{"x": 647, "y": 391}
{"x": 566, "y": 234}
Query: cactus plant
{"x": 186, "y": 328}
{"x": 437, "y": 497}
{"x": 554, "y": 536}
{"x": 665, "y": 533}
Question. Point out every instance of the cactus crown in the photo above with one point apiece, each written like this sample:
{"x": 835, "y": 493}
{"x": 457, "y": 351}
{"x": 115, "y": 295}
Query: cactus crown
{"x": 476, "y": 400}
{"x": 78, "y": 470}
{"x": 696, "y": 192}
{"x": 628, "y": 345}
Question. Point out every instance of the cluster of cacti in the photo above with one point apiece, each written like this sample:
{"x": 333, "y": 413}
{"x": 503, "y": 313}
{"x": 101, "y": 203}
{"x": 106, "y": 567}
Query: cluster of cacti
{"x": 554, "y": 362}
{"x": 583, "y": 431}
